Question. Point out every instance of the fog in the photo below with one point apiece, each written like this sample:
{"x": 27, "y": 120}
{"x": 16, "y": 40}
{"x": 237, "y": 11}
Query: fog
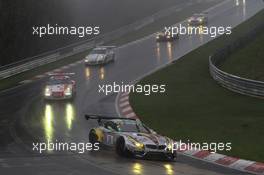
{"x": 19, "y": 16}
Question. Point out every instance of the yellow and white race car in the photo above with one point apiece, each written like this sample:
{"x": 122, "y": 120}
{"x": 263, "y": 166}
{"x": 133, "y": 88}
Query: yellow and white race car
{"x": 130, "y": 137}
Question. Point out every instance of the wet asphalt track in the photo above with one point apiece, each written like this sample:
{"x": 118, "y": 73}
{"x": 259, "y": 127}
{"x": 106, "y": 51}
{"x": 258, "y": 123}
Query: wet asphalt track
{"x": 31, "y": 120}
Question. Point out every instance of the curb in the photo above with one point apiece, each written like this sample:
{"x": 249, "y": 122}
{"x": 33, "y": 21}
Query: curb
{"x": 124, "y": 109}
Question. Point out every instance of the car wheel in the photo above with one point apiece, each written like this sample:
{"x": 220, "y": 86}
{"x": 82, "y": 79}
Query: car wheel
{"x": 173, "y": 156}
{"x": 93, "y": 138}
{"x": 121, "y": 147}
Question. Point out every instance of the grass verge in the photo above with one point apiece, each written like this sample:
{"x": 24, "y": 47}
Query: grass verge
{"x": 247, "y": 62}
{"x": 196, "y": 108}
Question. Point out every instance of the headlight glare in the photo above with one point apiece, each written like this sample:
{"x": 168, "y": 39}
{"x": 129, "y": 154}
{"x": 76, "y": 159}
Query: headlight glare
{"x": 137, "y": 144}
{"x": 47, "y": 92}
{"x": 68, "y": 91}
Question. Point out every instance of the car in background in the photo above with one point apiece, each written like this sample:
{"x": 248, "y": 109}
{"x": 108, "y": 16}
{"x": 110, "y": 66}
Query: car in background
{"x": 164, "y": 36}
{"x": 130, "y": 137}
{"x": 60, "y": 86}
{"x": 198, "y": 19}
{"x": 100, "y": 55}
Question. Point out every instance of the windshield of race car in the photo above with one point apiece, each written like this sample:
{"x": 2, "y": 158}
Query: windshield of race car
{"x": 98, "y": 51}
{"x": 126, "y": 126}
{"x": 199, "y": 15}
{"x": 63, "y": 80}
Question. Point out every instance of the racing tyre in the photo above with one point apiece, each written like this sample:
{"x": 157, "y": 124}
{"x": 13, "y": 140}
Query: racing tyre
{"x": 172, "y": 157}
{"x": 93, "y": 138}
{"x": 113, "y": 58}
{"x": 121, "y": 147}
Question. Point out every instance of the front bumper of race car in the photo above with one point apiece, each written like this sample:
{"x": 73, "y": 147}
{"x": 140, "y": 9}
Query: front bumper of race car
{"x": 61, "y": 96}
{"x": 146, "y": 152}
{"x": 196, "y": 22}
{"x": 93, "y": 63}
{"x": 166, "y": 38}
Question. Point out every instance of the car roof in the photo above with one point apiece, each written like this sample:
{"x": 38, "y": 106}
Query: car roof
{"x": 199, "y": 14}
{"x": 100, "y": 48}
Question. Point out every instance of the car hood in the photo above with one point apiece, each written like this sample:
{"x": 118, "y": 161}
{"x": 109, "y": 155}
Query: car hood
{"x": 161, "y": 34}
{"x": 196, "y": 18}
{"x": 58, "y": 87}
{"x": 145, "y": 138}
{"x": 95, "y": 57}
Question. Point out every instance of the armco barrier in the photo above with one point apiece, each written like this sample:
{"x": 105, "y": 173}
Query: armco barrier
{"x": 49, "y": 57}
{"x": 232, "y": 82}
{"x": 235, "y": 83}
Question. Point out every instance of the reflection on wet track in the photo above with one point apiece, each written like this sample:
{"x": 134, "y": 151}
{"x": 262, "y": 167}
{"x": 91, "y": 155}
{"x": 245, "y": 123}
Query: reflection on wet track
{"x": 48, "y": 120}
{"x": 137, "y": 168}
{"x": 169, "y": 169}
{"x": 64, "y": 121}
{"x": 93, "y": 73}
{"x": 54, "y": 115}
{"x": 70, "y": 115}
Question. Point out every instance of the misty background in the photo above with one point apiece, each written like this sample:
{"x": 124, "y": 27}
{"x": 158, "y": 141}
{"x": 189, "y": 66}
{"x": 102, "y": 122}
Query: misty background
{"x": 19, "y": 16}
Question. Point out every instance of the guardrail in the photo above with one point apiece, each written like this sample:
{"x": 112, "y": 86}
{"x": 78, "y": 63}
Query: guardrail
{"x": 55, "y": 55}
{"x": 235, "y": 83}
{"x": 232, "y": 82}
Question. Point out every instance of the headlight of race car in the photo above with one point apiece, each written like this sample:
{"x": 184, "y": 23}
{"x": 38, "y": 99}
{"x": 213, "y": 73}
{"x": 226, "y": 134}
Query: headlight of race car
{"x": 157, "y": 36}
{"x": 68, "y": 91}
{"x": 100, "y": 57}
{"x": 200, "y": 20}
{"x": 47, "y": 92}
{"x": 168, "y": 36}
{"x": 169, "y": 145}
{"x": 137, "y": 144}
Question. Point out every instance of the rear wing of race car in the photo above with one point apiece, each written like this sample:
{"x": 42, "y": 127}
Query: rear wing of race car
{"x": 104, "y": 117}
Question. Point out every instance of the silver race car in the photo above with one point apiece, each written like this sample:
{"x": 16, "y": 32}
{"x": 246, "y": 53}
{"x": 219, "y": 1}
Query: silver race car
{"x": 60, "y": 86}
{"x": 164, "y": 36}
{"x": 198, "y": 19}
{"x": 130, "y": 137}
{"x": 100, "y": 55}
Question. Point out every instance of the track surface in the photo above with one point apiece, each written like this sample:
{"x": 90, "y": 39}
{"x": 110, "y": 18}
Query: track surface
{"x": 29, "y": 119}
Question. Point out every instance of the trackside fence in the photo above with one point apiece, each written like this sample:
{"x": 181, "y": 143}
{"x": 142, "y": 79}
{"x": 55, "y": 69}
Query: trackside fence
{"x": 232, "y": 82}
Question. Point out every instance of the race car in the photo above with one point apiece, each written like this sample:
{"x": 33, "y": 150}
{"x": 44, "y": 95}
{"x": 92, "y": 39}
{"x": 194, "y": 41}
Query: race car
{"x": 198, "y": 19}
{"x": 166, "y": 36}
{"x": 60, "y": 86}
{"x": 130, "y": 137}
{"x": 100, "y": 55}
